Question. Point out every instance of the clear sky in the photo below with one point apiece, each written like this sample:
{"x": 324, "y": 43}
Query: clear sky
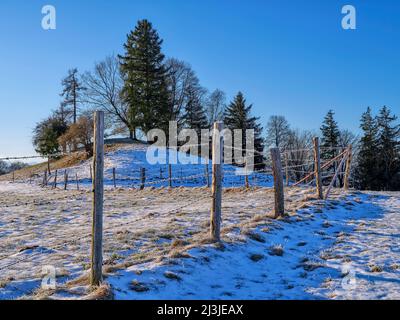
{"x": 288, "y": 57}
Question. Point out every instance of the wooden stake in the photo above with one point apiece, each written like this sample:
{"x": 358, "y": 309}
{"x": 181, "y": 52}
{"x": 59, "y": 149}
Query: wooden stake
{"x": 45, "y": 179}
{"x": 142, "y": 178}
{"x": 278, "y": 182}
{"x": 48, "y": 165}
{"x": 55, "y": 179}
{"x": 348, "y": 168}
{"x": 13, "y": 176}
{"x": 65, "y": 180}
{"x": 217, "y": 151}
{"x": 317, "y": 168}
{"x": 170, "y": 175}
{"x": 115, "y": 184}
{"x": 96, "y": 276}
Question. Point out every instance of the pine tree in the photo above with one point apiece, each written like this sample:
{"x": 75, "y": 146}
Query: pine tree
{"x": 330, "y": 141}
{"x": 71, "y": 92}
{"x": 388, "y": 150}
{"x": 367, "y": 171}
{"x": 238, "y": 116}
{"x": 330, "y": 136}
{"x": 145, "y": 88}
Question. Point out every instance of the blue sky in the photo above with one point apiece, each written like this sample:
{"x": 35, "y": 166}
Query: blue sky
{"x": 288, "y": 57}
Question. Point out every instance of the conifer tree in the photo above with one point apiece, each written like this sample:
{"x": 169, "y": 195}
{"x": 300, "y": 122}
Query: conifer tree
{"x": 71, "y": 92}
{"x": 388, "y": 155}
{"x": 144, "y": 73}
{"x": 238, "y": 116}
{"x": 367, "y": 171}
{"x": 330, "y": 136}
{"x": 195, "y": 116}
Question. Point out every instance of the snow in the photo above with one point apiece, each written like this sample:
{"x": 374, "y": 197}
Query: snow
{"x": 345, "y": 248}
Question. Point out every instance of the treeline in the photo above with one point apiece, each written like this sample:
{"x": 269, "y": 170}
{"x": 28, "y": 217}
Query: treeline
{"x": 141, "y": 89}
{"x": 376, "y": 159}
{"x": 7, "y": 167}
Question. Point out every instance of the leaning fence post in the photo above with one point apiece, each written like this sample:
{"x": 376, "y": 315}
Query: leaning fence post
{"x": 348, "y": 168}
{"x": 217, "y": 151}
{"x": 142, "y": 178}
{"x": 278, "y": 182}
{"x": 317, "y": 168}
{"x": 96, "y": 276}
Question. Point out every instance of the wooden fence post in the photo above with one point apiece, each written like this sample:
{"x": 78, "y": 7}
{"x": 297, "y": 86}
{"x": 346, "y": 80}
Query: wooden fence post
{"x": 13, "y": 176}
{"x": 142, "y": 178}
{"x": 170, "y": 175}
{"x": 65, "y": 180}
{"x": 348, "y": 168}
{"x": 96, "y": 276}
{"x": 278, "y": 182}
{"x": 45, "y": 179}
{"x": 217, "y": 151}
{"x": 317, "y": 168}
{"x": 115, "y": 183}
{"x": 77, "y": 181}
{"x": 161, "y": 174}
{"x": 48, "y": 165}
{"x": 55, "y": 179}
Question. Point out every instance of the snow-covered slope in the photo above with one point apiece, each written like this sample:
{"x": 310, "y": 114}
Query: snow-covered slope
{"x": 129, "y": 160}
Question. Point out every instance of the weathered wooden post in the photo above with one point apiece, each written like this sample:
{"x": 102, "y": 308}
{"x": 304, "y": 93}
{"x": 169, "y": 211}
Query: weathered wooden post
{"x": 45, "y": 179}
{"x": 77, "y": 181}
{"x": 170, "y": 175}
{"x": 13, "y": 176}
{"x": 348, "y": 168}
{"x": 96, "y": 276}
{"x": 142, "y": 178}
{"x": 48, "y": 165}
{"x": 278, "y": 182}
{"x": 115, "y": 183}
{"x": 317, "y": 168}
{"x": 217, "y": 151}
{"x": 65, "y": 180}
{"x": 55, "y": 179}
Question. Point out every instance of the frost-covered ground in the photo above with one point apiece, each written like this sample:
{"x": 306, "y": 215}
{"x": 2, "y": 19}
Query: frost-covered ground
{"x": 156, "y": 240}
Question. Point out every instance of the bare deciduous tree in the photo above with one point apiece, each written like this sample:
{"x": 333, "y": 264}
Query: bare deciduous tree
{"x": 278, "y": 132}
{"x": 103, "y": 91}
{"x": 216, "y": 104}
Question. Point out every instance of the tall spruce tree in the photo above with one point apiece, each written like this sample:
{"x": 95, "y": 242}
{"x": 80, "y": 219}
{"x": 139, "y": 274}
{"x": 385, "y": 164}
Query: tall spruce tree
{"x": 144, "y": 73}
{"x": 330, "y": 136}
{"x": 71, "y": 92}
{"x": 238, "y": 116}
{"x": 330, "y": 141}
{"x": 388, "y": 155}
{"x": 367, "y": 171}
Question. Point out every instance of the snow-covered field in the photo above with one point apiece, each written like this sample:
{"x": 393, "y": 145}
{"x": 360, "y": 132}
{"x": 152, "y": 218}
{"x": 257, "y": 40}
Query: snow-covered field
{"x": 156, "y": 241}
